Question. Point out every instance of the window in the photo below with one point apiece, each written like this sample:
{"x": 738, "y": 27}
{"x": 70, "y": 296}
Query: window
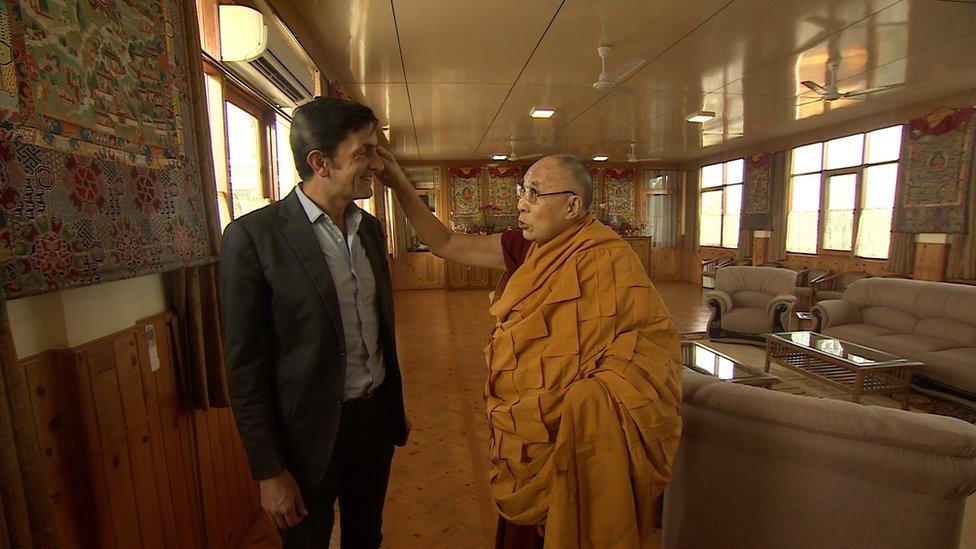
{"x": 661, "y": 206}
{"x": 842, "y": 193}
{"x": 721, "y": 204}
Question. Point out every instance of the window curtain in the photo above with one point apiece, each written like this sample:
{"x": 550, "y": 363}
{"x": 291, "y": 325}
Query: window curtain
{"x": 901, "y": 247}
{"x": 193, "y": 292}
{"x": 961, "y": 261}
{"x": 662, "y": 210}
{"x": 691, "y": 198}
{"x": 26, "y": 516}
{"x": 777, "y": 207}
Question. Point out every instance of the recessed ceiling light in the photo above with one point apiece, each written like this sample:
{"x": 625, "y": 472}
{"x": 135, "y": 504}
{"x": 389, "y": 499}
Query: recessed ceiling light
{"x": 601, "y": 158}
{"x": 499, "y": 157}
{"x": 701, "y": 116}
{"x": 542, "y": 112}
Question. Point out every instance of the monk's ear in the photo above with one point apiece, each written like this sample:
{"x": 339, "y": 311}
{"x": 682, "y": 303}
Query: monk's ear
{"x": 575, "y": 207}
{"x": 319, "y": 163}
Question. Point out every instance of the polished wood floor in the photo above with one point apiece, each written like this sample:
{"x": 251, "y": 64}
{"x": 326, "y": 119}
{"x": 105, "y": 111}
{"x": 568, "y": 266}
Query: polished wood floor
{"x": 438, "y": 493}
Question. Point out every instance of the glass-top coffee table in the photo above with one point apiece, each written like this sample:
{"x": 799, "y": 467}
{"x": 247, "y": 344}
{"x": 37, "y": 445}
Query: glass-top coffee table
{"x": 701, "y": 359}
{"x": 853, "y": 368}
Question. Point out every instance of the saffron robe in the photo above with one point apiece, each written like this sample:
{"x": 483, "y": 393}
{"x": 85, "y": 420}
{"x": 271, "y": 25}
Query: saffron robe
{"x": 583, "y": 393}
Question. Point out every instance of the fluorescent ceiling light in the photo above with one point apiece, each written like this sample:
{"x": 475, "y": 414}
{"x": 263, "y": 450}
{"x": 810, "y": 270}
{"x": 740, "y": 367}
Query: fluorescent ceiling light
{"x": 701, "y": 116}
{"x": 243, "y": 34}
{"x": 385, "y": 128}
{"x": 542, "y": 112}
{"x": 601, "y": 158}
{"x": 499, "y": 157}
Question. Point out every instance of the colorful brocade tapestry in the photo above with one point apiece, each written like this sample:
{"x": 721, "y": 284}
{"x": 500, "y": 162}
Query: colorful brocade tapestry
{"x": 618, "y": 192}
{"x": 99, "y": 175}
{"x": 939, "y": 170}
{"x": 755, "y": 206}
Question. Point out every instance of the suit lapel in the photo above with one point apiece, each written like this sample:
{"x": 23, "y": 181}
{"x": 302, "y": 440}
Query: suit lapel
{"x": 377, "y": 262}
{"x": 298, "y": 231}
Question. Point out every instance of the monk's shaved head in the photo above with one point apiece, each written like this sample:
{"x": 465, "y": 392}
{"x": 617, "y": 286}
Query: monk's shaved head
{"x": 577, "y": 174}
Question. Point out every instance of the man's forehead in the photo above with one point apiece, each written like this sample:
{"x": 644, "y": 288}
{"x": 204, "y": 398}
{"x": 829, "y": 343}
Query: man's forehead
{"x": 361, "y": 137}
{"x": 541, "y": 173}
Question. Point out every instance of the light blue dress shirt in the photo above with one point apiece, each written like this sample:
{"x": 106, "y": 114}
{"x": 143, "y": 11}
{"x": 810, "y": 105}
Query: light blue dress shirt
{"x": 356, "y": 287}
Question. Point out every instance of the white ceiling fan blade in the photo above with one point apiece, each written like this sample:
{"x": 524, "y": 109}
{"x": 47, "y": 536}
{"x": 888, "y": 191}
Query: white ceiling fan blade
{"x": 875, "y": 89}
{"x": 815, "y": 87}
{"x": 627, "y": 68}
{"x": 809, "y": 102}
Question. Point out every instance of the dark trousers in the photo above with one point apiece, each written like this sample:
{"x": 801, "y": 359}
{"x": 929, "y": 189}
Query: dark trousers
{"x": 358, "y": 474}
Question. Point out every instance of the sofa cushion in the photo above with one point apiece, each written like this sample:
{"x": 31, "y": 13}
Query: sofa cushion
{"x": 752, "y": 298}
{"x": 889, "y": 317}
{"x": 747, "y": 320}
{"x": 912, "y": 345}
{"x": 954, "y": 367}
{"x": 823, "y": 295}
{"x": 947, "y": 328}
{"x": 862, "y": 334}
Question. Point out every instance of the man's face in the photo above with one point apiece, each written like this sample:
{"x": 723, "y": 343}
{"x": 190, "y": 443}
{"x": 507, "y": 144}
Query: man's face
{"x": 354, "y": 165}
{"x": 551, "y": 214}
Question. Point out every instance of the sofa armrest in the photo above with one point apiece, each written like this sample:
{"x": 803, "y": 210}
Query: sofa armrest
{"x": 719, "y": 300}
{"x": 780, "y": 310}
{"x": 835, "y": 312}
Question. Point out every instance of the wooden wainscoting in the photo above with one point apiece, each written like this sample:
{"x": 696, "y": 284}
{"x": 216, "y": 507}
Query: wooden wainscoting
{"x": 417, "y": 271}
{"x": 467, "y": 277}
{"x": 126, "y": 464}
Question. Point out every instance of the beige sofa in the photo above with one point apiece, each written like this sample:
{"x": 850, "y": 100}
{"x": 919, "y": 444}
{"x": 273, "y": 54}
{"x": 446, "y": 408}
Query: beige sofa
{"x": 750, "y": 301}
{"x": 759, "y": 468}
{"x": 931, "y": 322}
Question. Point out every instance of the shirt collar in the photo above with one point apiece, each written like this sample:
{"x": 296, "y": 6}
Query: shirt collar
{"x": 353, "y": 215}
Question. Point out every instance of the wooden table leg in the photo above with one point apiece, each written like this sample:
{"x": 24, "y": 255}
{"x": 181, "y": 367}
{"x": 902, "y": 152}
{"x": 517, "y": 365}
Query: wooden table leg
{"x": 858, "y": 386}
{"x": 766, "y": 368}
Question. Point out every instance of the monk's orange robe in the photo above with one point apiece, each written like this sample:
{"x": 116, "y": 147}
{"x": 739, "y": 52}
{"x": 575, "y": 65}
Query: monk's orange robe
{"x": 583, "y": 393}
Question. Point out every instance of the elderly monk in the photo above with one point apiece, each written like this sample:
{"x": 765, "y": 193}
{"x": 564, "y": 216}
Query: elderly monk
{"x": 584, "y": 382}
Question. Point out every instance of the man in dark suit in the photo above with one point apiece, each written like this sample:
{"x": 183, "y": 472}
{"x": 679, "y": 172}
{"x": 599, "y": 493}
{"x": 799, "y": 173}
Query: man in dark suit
{"x": 308, "y": 330}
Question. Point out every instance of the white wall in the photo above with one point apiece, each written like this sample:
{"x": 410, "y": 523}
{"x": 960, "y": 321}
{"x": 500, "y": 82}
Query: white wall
{"x": 72, "y": 317}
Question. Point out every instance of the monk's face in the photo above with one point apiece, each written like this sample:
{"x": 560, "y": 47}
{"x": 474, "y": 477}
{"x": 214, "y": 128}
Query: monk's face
{"x": 548, "y": 215}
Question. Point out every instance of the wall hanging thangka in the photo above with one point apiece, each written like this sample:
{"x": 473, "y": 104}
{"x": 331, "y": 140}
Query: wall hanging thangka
{"x": 99, "y": 178}
{"x": 755, "y": 208}
{"x": 932, "y": 197}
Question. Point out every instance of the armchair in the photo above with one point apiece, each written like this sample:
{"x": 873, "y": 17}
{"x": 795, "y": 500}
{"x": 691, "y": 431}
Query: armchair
{"x": 750, "y": 301}
{"x": 833, "y": 286}
{"x": 805, "y": 280}
{"x": 709, "y": 267}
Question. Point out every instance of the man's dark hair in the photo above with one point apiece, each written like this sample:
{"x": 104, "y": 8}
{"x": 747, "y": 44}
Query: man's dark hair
{"x": 321, "y": 124}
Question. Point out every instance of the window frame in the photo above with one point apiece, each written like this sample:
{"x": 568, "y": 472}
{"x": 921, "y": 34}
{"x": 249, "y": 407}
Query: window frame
{"x": 859, "y": 188}
{"x": 723, "y": 189}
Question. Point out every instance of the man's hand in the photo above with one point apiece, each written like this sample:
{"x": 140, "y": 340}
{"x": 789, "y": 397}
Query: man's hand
{"x": 282, "y": 500}
{"x": 392, "y": 175}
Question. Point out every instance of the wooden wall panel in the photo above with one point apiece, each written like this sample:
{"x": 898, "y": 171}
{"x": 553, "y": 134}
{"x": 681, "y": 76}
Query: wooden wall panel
{"x": 126, "y": 465}
{"x": 417, "y": 271}
{"x": 930, "y": 261}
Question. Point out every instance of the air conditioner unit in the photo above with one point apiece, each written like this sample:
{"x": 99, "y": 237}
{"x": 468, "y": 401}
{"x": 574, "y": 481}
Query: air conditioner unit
{"x": 279, "y": 74}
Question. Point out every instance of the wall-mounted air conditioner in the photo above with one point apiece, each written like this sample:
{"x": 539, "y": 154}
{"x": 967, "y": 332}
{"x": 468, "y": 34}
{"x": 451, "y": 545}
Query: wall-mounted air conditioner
{"x": 279, "y": 74}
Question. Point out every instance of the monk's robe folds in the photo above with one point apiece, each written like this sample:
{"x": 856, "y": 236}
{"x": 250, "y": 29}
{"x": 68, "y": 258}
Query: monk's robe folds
{"x": 583, "y": 393}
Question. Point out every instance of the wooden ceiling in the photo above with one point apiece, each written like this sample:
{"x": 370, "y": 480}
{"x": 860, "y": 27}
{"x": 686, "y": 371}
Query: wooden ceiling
{"x": 456, "y": 80}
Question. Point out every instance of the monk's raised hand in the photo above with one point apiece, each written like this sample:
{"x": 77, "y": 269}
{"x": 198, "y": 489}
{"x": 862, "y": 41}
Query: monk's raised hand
{"x": 392, "y": 175}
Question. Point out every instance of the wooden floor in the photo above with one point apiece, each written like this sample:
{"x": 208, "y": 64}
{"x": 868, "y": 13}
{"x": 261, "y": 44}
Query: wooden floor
{"x": 438, "y": 493}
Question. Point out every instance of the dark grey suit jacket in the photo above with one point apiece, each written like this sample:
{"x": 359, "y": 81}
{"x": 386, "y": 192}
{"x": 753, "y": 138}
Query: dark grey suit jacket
{"x": 284, "y": 343}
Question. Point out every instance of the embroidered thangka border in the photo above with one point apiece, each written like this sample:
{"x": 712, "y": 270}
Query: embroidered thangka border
{"x": 99, "y": 178}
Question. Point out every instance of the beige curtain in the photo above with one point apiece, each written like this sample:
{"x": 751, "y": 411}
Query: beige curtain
{"x": 961, "y": 261}
{"x": 901, "y": 250}
{"x": 691, "y": 198}
{"x": 193, "y": 293}
{"x": 745, "y": 243}
{"x": 777, "y": 207}
{"x": 901, "y": 253}
{"x": 26, "y": 517}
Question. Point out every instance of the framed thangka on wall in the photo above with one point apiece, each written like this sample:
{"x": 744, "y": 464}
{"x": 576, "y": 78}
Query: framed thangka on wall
{"x": 99, "y": 175}
{"x": 939, "y": 170}
{"x": 755, "y": 207}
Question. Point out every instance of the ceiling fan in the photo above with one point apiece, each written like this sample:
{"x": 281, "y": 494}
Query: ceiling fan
{"x": 632, "y": 155}
{"x": 829, "y": 92}
{"x": 513, "y": 157}
{"x": 607, "y": 81}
